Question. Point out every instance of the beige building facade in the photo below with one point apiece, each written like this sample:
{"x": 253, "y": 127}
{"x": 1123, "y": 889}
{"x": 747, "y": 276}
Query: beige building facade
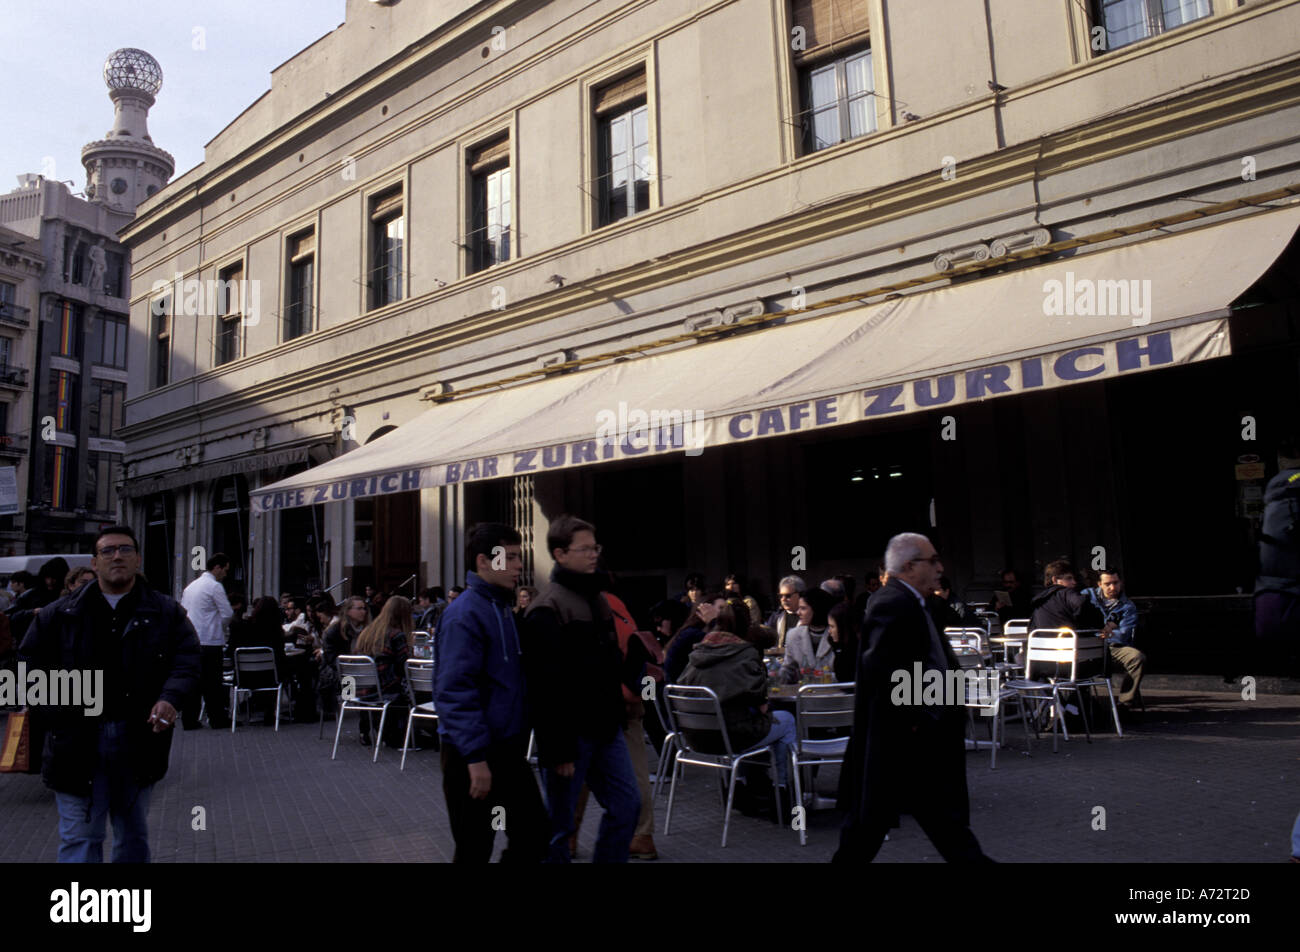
{"x": 439, "y": 197}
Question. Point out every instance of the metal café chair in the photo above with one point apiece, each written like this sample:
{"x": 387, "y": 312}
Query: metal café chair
{"x": 1062, "y": 646}
{"x": 366, "y": 695}
{"x": 698, "y": 709}
{"x": 972, "y": 638}
{"x": 819, "y": 706}
{"x": 419, "y": 680}
{"x": 256, "y": 662}
{"x": 669, "y": 745}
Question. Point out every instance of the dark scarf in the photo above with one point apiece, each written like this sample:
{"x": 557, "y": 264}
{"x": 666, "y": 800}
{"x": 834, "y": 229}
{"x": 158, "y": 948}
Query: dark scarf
{"x": 587, "y": 584}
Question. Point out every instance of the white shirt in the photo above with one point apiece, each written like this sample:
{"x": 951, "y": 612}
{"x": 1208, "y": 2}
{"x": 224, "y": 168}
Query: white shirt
{"x": 204, "y": 599}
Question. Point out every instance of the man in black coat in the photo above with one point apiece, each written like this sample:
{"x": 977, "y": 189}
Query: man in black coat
{"x": 905, "y": 757}
{"x": 140, "y": 648}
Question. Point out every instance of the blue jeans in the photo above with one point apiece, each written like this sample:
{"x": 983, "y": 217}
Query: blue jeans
{"x": 782, "y": 738}
{"x": 114, "y": 792}
{"x": 607, "y": 769}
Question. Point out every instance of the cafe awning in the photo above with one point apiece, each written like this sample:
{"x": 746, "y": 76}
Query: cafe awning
{"x": 1124, "y": 310}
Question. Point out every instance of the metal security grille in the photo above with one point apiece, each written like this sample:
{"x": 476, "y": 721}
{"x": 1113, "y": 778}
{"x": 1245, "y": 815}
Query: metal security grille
{"x": 521, "y": 517}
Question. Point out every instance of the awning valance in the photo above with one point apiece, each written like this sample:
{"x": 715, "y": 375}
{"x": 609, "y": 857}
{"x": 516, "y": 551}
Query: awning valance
{"x": 1151, "y": 304}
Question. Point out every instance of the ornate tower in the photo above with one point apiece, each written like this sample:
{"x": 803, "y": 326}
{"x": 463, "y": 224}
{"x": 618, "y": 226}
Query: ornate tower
{"x": 125, "y": 167}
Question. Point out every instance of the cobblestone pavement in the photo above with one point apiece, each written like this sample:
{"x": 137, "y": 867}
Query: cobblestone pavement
{"x": 1200, "y": 778}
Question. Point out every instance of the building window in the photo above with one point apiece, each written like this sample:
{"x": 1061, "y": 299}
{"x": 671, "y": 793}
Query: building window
{"x": 103, "y": 472}
{"x": 6, "y": 345}
{"x": 74, "y": 261}
{"x": 832, "y": 57}
{"x": 67, "y": 341}
{"x": 115, "y": 274}
{"x": 108, "y": 348}
{"x": 160, "y": 318}
{"x": 158, "y": 541}
{"x": 1127, "y": 21}
{"x": 623, "y": 148}
{"x": 230, "y": 523}
{"x": 57, "y": 490}
{"x": 230, "y": 303}
{"x": 61, "y": 400}
{"x": 491, "y": 217}
{"x": 387, "y": 236}
{"x": 8, "y": 294}
{"x": 298, "y": 310}
{"x": 107, "y": 398}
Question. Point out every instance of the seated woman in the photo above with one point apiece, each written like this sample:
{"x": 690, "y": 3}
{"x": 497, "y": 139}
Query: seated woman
{"x": 339, "y": 637}
{"x": 807, "y": 647}
{"x": 732, "y": 667}
{"x": 387, "y": 640}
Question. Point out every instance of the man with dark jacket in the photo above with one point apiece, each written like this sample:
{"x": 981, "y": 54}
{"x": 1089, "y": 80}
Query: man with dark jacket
{"x": 479, "y": 694}
{"x": 576, "y": 670}
{"x": 905, "y": 757}
{"x": 1061, "y": 604}
{"x": 148, "y": 653}
{"x": 49, "y": 582}
{"x": 1277, "y": 588}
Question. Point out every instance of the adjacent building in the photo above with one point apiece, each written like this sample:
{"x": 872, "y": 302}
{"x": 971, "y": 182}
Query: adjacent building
{"x": 752, "y": 285}
{"x": 21, "y": 268}
{"x": 73, "y": 313}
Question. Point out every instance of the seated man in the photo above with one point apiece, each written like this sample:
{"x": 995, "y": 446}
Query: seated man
{"x": 1061, "y": 605}
{"x": 1013, "y": 599}
{"x": 1121, "y": 617}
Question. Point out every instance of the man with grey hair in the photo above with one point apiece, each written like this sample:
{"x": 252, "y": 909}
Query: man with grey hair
{"x": 904, "y": 757}
{"x": 786, "y": 616}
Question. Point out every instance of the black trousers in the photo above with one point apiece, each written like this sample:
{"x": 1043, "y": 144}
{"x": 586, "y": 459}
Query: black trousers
{"x": 211, "y": 690}
{"x": 955, "y": 842}
{"x": 514, "y": 805}
{"x": 928, "y": 797}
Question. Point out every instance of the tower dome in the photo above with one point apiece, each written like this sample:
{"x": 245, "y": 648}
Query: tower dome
{"x": 133, "y": 69}
{"x": 125, "y": 167}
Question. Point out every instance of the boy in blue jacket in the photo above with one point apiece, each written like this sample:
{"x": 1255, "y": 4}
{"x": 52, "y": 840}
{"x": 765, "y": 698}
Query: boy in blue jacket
{"x": 479, "y": 693}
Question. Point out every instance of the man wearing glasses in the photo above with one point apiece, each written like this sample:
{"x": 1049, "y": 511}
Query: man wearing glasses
{"x": 107, "y": 763}
{"x": 904, "y": 757}
{"x": 576, "y": 670}
{"x": 786, "y": 617}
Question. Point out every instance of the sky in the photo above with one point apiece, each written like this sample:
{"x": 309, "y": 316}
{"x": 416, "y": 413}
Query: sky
{"x": 216, "y": 59}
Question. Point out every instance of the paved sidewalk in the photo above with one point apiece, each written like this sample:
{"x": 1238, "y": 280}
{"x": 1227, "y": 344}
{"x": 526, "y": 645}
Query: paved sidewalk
{"x": 1202, "y": 778}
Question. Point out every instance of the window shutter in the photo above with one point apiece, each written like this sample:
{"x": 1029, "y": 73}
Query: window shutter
{"x": 829, "y": 21}
{"x": 490, "y": 155}
{"x": 621, "y": 92}
{"x": 302, "y": 247}
{"x": 386, "y": 205}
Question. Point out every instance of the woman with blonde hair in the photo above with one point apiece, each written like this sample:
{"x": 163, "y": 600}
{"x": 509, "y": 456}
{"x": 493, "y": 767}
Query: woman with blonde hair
{"x": 387, "y": 640}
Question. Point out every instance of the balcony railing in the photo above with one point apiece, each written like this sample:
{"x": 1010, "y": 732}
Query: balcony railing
{"x": 11, "y": 313}
{"x": 13, "y": 377}
{"x": 13, "y": 444}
